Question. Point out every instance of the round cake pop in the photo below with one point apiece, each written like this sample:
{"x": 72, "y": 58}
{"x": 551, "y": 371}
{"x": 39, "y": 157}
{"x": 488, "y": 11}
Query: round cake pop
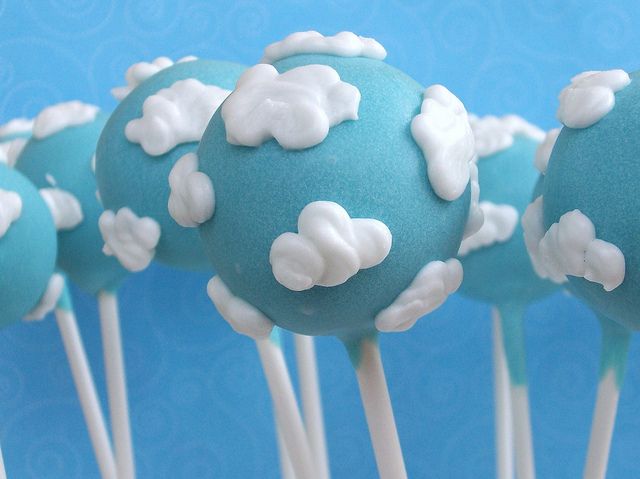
{"x": 584, "y": 226}
{"x": 58, "y": 159}
{"x": 13, "y": 137}
{"x": 157, "y": 123}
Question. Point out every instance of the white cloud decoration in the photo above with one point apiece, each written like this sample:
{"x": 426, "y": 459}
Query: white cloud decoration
{"x": 297, "y": 107}
{"x": 139, "y": 72}
{"x": 428, "y": 291}
{"x": 129, "y": 238}
{"x": 329, "y": 248}
{"x": 543, "y": 153}
{"x": 494, "y": 134}
{"x": 500, "y": 221}
{"x": 175, "y": 115}
{"x": 570, "y": 248}
{"x": 10, "y": 150}
{"x": 10, "y": 209}
{"x": 590, "y": 97}
{"x": 64, "y": 207}
{"x": 16, "y": 126}
{"x": 343, "y": 44}
{"x": 192, "y": 198}
{"x": 56, "y": 118}
{"x": 48, "y": 300}
{"x": 241, "y": 316}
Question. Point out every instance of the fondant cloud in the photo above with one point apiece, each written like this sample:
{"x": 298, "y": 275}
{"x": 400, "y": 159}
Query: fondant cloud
{"x": 493, "y": 134}
{"x": 10, "y": 209}
{"x": 192, "y": 199}
{"x": 500, "y": 222}
{"x": 64, "y": 207}
{"x": 56, "y": 118}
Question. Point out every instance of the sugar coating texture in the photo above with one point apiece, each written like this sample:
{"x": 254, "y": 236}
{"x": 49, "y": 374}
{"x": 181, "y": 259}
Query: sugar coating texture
{"x": 65, "y": 158}
{"x": 27, "y": 250}
{"x": 502, "y": 273}
{"x": 371, "y": 167}
{"x": 596, "y": 170}
{"x": 129, "y": 177}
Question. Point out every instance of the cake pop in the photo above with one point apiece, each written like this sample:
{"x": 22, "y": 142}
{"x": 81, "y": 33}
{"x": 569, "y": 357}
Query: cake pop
{"x": 583, "y": 229}
{"x": 59, "y": 160}
{"x": 327, "y": 218}
{"x": 506, "y": 148}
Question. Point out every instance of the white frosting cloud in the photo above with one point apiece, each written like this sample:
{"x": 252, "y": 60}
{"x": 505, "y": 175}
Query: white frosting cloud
{"x": 64, "y": 206}
{"x": 48, "y": 300}
{"x": 10, "y": 150}
{"x": 543, "y": 153}
{"x": 192, "y": 198}
{"x": 56, "y": 118}
{"x": 297, "y": 108}
{"x": 590, "y": 96}
{"x": 570, "y": 247}
{"x": 443, "y": 133}
{"x": 139, "y": 72}
{"x": 10, "y": 209}
{"x": 241, "y": 316}
{"x": 329, "y": 248}
{"x": 175, "y": 115}
{"x": 16, "y": 126}
{"x": 494, "y": 134}
{"x": 343, "y": 44}
{"x": 129, "y": 238}
{"x": 500, "y": 222}
{"x": 476, "y": 215}
{"x": 428, "y": 291}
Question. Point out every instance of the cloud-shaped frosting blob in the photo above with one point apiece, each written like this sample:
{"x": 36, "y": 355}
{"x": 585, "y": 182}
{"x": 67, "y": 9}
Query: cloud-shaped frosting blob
{"x": 10, "y": 209}
{"x": 297, "y": 108}
{"x": 192, "y": 198}
{"x": 129, "y": 238}
{"x": 590, "y": 96}
{"x": 56, "y": 118}
{"x": 48, "y": 300}
{"x": 494, "y": 134}
{"x": 10, "y": 150}
{"x": 442, "y": 131}
{"x": 343, "y": 44}
{"x": 570, "y": 248}
{"x": 329, "y": 248}
{"x": 16, "y": 126}
{"x": 500, "y": 222}
{"x": 543, "y": 153}
{"x": 428, "y": 291}
{"x": 241, "y": 316}
{"x": 64, "y": 207}
{"x": 139, "y": 72}
{"x": 175, "y": 115}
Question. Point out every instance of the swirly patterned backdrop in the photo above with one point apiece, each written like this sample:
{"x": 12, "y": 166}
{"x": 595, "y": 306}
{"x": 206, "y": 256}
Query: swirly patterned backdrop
{"x": 199, "y": 403}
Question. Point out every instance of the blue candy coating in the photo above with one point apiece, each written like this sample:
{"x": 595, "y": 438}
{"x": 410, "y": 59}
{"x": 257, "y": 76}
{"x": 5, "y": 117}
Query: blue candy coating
{"x": 66, "y": 156}
{"x": 27, "y": 250}
{"x": 502, "y": 273}
{"x": 128, "y": 176}
{"x": 372, "y": 167}
{"x": 596, "y": 170}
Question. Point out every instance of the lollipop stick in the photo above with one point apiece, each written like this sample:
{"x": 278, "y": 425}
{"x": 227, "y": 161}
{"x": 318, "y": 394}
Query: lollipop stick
{"x": 116, "y": 383}
{"x": 3, "y": 473}
{"x": 512, "y": 317}
{"x": 311, "y": 402}
{"x": 85, "y": 386}
{"x": 288, "y": 415}
{"x": 615, "y": 346}
{"x": 286, "y": 466}
{"x": 503, "y": 417}
{"x": 365, "y": 357}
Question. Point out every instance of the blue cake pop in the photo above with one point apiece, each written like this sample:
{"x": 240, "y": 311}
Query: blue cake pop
{"x": 27, "y": 250}
{"x": 156, "y": 124}
{"x": 58, "y": 159}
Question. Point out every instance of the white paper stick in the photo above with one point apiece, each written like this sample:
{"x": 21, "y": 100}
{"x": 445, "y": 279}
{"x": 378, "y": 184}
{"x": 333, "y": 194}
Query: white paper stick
{"x": 116, "y": 384}
{"x": 86, "y": 390}
{"x": 311, "y": 402}
{"x": 379, "y": 413}
{"x": 286, "y": 408}
{"x": 525, "y": 468}
{"x": 3, "y": 473}
{"x": 503, "y": 416}
{"x": 286, "y": 467}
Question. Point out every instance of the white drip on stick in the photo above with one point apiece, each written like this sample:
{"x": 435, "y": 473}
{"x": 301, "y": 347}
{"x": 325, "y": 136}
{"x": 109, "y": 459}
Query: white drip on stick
{"x": 116, "y": 384}
{"x": 312, "y": 402}
{"x": 379, "y": 413}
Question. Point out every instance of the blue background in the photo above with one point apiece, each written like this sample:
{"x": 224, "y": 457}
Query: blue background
{"x": 198, "y": 400}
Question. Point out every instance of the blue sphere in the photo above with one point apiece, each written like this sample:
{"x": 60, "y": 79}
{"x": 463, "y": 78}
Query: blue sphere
{"x": 27, "y": 250}
{"x": 66, "y": 158}
{"x": 596, "y": 170}
{"x": 129, "y": 177}
{"x": 372, "y": 167}
{"x": 502, "y": 273}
